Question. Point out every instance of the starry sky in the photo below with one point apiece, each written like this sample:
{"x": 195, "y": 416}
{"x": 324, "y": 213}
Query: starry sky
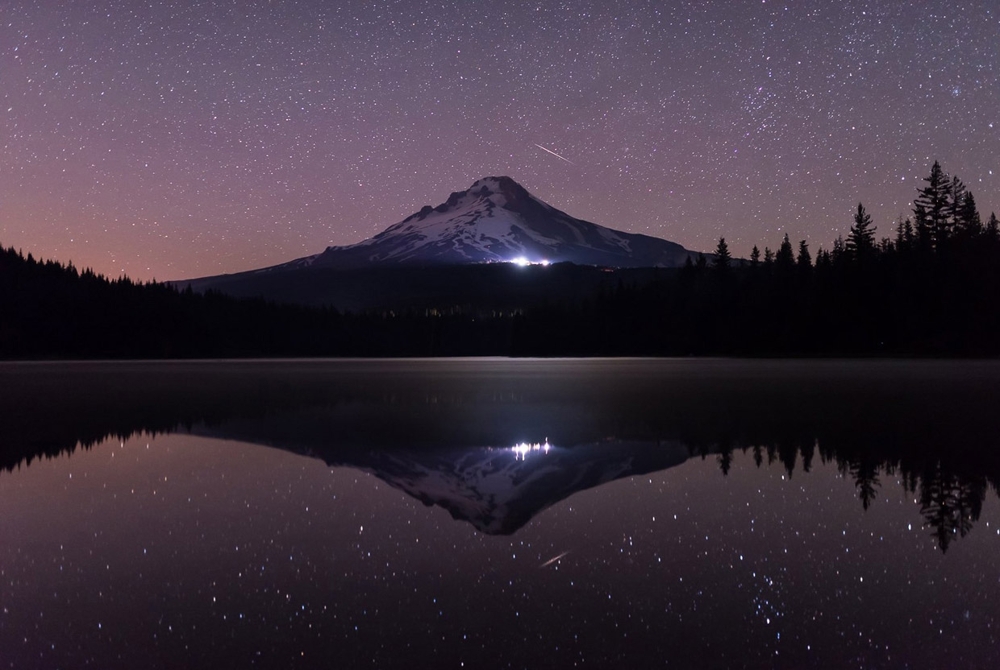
{"x": 178, "y": 139}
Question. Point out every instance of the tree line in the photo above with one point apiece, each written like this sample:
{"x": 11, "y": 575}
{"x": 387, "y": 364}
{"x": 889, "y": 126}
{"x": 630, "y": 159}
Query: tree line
{"x": 950, "y": 494}
{"x": 929, "y": 288}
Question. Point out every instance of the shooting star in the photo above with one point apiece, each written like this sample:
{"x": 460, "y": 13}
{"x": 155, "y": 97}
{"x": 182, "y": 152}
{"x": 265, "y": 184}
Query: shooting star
{"x": 552, "y": 560}
{"x": 555, "y": 154}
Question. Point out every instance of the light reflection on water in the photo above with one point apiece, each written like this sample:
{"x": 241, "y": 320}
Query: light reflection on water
{"x": 184, "y": 549}
{"x": 767, "y": 549}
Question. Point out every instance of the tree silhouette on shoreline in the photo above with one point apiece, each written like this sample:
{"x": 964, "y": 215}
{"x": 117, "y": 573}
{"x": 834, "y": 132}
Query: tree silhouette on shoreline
{"x": 932, "y": 290}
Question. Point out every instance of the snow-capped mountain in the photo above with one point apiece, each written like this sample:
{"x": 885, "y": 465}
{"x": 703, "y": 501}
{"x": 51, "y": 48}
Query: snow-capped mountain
{"x": 499, "y": 490}
{"x": 498, "y": 220}
{"x": 458, "y": 253}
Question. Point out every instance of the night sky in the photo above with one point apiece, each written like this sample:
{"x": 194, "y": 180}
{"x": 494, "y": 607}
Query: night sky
{"x": 177, "y": 139}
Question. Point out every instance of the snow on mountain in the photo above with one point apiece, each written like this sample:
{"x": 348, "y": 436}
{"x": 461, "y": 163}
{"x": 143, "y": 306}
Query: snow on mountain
{"x": 497, "y": 220}
{"x": 499, "y": 490}
{"x": 439, "y": 257}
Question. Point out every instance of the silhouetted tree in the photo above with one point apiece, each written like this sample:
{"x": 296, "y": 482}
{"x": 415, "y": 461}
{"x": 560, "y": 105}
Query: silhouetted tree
{"x": 865, "y": 474}
{"x": 861, "y": 239}
{"x": 723, "y": 260}
{"x": 932, "y": 206}
{"x": 804, "y": 259}
{"x": 784, "y": 260}
{"x": 950, "y": 504}
{"x": 992, "y": 231}
{"x": 837, "y": 253}
{"x": 904, "y": 235}
{"x": 968, "y": 224}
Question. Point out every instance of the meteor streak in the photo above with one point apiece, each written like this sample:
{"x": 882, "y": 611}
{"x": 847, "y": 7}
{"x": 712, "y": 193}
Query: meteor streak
{"x": 552, "y": 560}
{"x": 555, "y": 154}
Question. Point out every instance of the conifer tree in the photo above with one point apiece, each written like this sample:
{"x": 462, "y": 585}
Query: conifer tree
{"x": 956, "y": 197}
{"x": 992, "y": 231}
{"x": 904, "y": 234}
{"x": 785, "y": 258}
{"x": 804, "y": 259}
{"x": 861, "y": 239}
{"x": 822, "y": 259}
{"x": 968, "y": 224}
{"x": 933, "y": 200}
{"x": 723, "y": 259}
{"x": 922, "y": 228}
{"x": 837, "y": 253}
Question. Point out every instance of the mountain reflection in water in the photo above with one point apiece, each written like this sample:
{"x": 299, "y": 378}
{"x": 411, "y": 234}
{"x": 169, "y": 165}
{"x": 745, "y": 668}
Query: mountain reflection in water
{"x": 445, "y": 431}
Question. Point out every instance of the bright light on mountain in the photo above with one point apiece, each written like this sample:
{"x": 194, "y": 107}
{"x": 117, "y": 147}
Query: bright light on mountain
{"x": 522, "y": 450}
{"x": 521, "y": 261}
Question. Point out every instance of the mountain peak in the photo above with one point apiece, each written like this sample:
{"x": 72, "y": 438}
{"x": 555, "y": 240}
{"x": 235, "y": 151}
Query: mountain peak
{"x": 498, "y": 220}
{"x": 504, "y": 186}
{"x": 490, "y": 192}
{"x": 495, "y": 220}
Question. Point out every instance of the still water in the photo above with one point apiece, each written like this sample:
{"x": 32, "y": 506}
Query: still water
{"x": 500, "y": 514}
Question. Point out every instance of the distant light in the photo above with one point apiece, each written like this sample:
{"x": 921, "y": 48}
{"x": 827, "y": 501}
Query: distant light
{"x": 523, "y": 262}
{"x": 522, "y": 450}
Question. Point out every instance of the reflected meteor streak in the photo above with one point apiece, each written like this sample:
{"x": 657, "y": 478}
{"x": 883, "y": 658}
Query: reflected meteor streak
{"x": 555, "y": 154}
{"x": 553, "y": 560}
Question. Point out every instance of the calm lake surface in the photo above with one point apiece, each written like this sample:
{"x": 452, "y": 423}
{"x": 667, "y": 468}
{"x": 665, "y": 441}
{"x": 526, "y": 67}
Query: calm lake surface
{"x": 500, "y": 514}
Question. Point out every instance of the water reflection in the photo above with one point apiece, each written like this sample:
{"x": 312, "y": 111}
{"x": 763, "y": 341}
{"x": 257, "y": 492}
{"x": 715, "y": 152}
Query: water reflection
{"x": 950, "y": 492}
{"x": 610, "y": 514}
{"x": 438, "y": 429}
{"x": 499, "y": 490}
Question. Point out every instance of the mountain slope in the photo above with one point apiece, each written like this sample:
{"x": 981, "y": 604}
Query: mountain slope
{"x": 446, "y": 257}
{"x": 499, "y": 491}
{"x": 497, "y": 220}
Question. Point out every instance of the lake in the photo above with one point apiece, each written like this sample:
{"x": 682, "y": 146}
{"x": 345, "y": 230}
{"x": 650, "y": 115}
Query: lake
{"x": 494, "y": 513}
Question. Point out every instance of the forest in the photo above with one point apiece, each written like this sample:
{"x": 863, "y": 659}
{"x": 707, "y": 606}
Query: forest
{"x": 930, "y": 287}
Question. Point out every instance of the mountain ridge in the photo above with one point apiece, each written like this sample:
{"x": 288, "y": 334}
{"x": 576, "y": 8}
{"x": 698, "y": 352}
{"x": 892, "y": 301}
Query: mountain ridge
{"x": 495, "y": 220}
{"x": 455, "y": 254}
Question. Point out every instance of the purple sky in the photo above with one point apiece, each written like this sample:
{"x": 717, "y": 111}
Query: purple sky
{"x": 178, "y": 139}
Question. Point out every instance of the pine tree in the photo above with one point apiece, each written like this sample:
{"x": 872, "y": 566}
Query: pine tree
{"x": 956, "y": 197}
{"x": 931, "y": 207}
{"x": 904, "y": 234}
{"x": 804, "y": 260}
{"x": 754, "y": 256}
{"x": 992, "y": 231}
{"x": 785, "y": 258}
{"x": 838, "y": 253}
{"x": 968, "y": 224}
{"x": 723, "y": 259}
{"x": 822, "y": 259}
{"x": 861, "y": 239}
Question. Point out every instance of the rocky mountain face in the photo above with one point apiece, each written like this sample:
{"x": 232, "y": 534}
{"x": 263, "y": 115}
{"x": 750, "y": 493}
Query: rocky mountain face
{"x": 498, "y": 220}
{"x": 462, "y": 252}
{"x": 499, "y": 490}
